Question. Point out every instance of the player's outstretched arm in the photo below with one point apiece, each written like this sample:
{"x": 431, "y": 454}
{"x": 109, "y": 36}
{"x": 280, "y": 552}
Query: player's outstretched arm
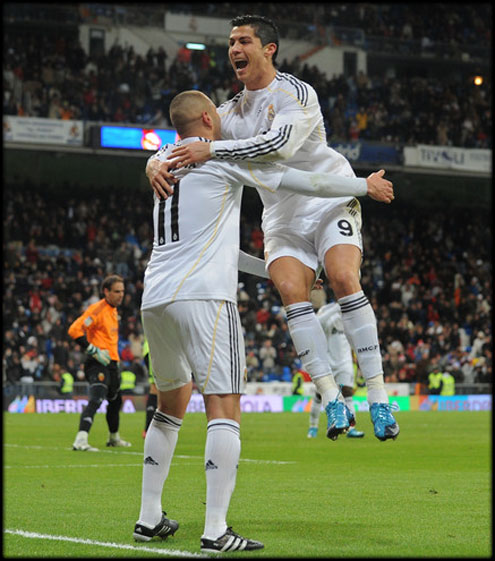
{"x": 327, "y": 185}
{"x": 252, "y": 265}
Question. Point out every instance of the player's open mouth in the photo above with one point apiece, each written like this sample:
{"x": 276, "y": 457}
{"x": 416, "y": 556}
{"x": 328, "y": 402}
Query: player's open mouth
{"x": 239, "y": 64}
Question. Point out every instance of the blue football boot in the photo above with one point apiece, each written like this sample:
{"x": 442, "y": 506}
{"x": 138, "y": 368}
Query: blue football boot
{"x": 354, "y": 433}
{"x": 338, "y": 418}
{"x": 385, "y": 425}
{"x": 313, "y": 432}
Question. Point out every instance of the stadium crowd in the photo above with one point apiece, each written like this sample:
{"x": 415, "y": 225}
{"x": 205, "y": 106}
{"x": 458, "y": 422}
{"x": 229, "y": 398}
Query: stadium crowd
{"x": 47, "y": 75}
{"x": 437, "y": 22}
{"x": 429, "y": 281}
{"x": 460, "y": 25}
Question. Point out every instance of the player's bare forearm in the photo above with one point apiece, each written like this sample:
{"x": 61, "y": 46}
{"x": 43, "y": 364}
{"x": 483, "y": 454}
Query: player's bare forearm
{"x": 193, "y": 153}
{"x": 380, "y": 189}
{"x": 161, "y": 180}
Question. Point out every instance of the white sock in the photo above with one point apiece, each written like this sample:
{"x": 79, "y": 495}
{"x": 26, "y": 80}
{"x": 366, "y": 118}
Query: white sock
{"x": 81, "y": 437}
{"x": 360, "y": 327}
{"x": 327, "y": 388}
{"x": 314, "y": 414}
{"x": 222, "y": 452}
{"x": 350, "y": 403}
{"x": 159, "y": 446}
{"x": 311, "y": 347}
{"x": 376, "y": 390}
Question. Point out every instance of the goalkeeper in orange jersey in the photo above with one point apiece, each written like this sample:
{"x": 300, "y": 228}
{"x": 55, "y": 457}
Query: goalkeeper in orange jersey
{"x": 97, "y": 331}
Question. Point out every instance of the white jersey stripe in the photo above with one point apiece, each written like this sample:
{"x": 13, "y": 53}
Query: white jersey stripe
{"x": 261, "y": 149}
{"x": 234, "y": 348}
{"x": 298, "y": 84}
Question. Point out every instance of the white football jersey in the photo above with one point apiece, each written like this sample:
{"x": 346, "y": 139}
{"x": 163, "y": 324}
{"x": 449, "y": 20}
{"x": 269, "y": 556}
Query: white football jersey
{"x": 196, "y": 231}
{"x": 282, "y": 122}
{"x": 339, "y": 349}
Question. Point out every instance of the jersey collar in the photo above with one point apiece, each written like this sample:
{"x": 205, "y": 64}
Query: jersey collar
{"x": 189, "y": 139}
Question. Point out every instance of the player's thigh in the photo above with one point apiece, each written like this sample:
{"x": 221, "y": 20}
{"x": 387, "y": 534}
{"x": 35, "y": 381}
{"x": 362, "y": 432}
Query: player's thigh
{"x": 98, "y": 378}
{"x": 214, "y": 345}
{"x": 165, "y": 334}
{"x": 292, "y": 279}
{"x": 341, "y": 226}
{"x": 114, "y": 380}
{"x": 291, "y": 260}
{"x": 288, "y": 243}
{"x": 199, "y": 336}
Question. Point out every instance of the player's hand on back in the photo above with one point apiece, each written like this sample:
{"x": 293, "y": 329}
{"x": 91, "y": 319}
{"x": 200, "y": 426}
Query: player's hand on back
{"x": 193, "y": 153}
{"x": 379, "y": 188}
{"x": 160, "y": 178}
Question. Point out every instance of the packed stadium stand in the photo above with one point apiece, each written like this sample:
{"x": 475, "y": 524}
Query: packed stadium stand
{"x": 427, "y": 263}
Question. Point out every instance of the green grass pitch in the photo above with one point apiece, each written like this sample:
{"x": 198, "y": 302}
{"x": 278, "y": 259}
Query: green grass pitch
{"x": 427, "y": 494}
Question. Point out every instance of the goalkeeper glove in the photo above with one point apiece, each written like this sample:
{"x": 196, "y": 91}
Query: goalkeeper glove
{"x": 101, "y": 355}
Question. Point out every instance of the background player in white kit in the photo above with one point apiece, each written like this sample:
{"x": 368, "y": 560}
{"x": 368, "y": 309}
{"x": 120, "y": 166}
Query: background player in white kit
{"x": 190, "y": 317}
{"x": 283, "y": 117}
{"x": 340, "y": 357}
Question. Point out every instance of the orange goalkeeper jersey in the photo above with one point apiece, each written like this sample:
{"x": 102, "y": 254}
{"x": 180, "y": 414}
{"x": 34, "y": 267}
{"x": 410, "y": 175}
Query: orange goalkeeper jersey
{"x": 100, "y": 324}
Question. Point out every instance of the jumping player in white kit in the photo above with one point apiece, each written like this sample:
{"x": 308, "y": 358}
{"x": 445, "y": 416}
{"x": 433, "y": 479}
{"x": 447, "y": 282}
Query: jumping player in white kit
{"x": 340, "y": 357}
{"x": 277, "y": 117}
{"x": 190, "y": 316}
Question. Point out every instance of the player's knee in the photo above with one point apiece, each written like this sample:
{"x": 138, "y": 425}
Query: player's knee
{"x": 95, "y": 399}
{"x": 344, "y": 282}
{"x": 97, "y": 394}
{"x": 291, "y": 292}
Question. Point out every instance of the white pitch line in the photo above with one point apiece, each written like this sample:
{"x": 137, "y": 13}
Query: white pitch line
{"x": 277, "y": 462}
{"x": 69, "y": 466}
{"x": 171, "y": 552}
{"x": 74, "y": 466}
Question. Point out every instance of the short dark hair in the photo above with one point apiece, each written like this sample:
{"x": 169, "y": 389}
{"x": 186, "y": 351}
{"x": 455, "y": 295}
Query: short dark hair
{"x": 109, "y": 281}
{"x": 264, "y": 29}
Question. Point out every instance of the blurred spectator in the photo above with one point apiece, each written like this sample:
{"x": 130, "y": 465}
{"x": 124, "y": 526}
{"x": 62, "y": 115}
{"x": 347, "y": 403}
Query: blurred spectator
{"x": 267, "y": 356}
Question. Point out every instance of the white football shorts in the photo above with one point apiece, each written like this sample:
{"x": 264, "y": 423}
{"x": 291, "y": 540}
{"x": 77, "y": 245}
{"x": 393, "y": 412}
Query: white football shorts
{"x": 199, "y": 337}
{"x": 338, "y": 225}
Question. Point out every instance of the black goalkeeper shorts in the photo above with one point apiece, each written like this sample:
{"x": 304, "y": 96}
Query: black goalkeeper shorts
{"x": 97, "y": 373}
